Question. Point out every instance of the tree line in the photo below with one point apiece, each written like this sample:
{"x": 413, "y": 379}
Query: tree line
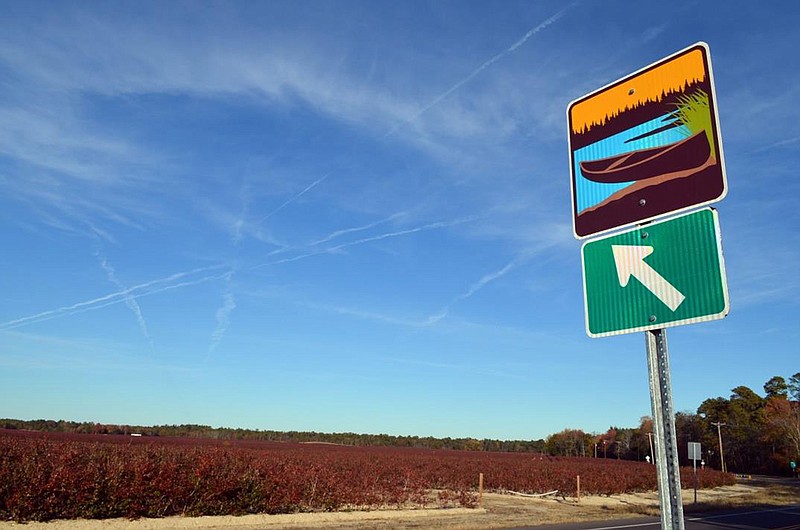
{"x": 759, "y": 434}
{"x": 225, "y": 433}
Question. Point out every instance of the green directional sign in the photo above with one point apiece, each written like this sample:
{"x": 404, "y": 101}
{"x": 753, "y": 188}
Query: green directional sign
{"x": 663, "y": 274}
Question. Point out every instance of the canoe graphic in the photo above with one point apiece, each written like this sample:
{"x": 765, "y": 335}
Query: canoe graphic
{"x": 690, "y": 153}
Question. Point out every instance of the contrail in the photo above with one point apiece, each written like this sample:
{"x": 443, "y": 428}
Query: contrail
{"x": 475, "y": 287}
{"x": 329, "y": 250}
{"x": 111, "y": 274}
{"x": 129, "y": 299}
{"x": 337, "y": 233}
{"x": 431, "y": 226}
{"x": 782, "y": 143}
{"x": 294, "y": 198}
{"x": 478, "y": 70}
{"x": 120, "y": 300}
{"x": 110, "y": 299}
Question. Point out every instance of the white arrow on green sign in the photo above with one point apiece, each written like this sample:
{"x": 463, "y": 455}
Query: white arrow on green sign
{"x": 663, "y": 274}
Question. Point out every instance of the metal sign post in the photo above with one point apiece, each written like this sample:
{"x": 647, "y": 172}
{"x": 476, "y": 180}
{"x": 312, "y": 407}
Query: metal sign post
{"x": 669, "y": 479}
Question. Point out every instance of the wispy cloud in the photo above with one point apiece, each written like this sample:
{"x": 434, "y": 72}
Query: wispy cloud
{"x": 69, "y": 167}
{"x": 60, "y": 140}
{"x": 121, "y": 57}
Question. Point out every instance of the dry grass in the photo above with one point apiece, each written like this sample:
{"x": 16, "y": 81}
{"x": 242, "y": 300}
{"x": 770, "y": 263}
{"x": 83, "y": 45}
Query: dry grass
{"x": 764, "y": 496}
{"x": 498, "y": 511}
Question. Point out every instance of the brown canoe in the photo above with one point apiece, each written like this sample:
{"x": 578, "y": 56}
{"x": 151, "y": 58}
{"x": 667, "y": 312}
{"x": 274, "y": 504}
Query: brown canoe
{"x": 684, "y": 155}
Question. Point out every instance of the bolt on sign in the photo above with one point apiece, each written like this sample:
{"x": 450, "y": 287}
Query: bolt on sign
{"x": 663, "y": 274}
{"x": 646, "y": 145}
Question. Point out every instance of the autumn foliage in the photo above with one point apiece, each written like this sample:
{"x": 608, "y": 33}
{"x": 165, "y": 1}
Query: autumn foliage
{"x": 46, "y": 476}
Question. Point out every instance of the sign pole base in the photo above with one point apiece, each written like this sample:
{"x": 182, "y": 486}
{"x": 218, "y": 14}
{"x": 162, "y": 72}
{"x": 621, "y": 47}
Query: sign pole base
{"x": 666, "y": 457}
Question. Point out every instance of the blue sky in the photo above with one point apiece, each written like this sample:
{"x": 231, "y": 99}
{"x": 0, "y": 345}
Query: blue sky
{"x": 355, "y": 216}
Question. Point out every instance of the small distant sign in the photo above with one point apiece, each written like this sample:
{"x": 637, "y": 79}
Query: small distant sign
{"x": 646, "y": 145}
{"x": 694, "y": 451}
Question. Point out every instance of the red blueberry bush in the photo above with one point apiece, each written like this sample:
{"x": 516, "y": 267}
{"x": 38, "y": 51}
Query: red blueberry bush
{"x": 47, "y": 476}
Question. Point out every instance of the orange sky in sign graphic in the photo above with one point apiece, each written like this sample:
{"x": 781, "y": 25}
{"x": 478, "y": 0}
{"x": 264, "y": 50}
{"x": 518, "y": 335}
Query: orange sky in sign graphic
{"x": 648, "y": 86}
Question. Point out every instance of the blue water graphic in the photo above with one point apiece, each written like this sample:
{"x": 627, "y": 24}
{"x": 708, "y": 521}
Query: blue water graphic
{"x": 588, "y": 193}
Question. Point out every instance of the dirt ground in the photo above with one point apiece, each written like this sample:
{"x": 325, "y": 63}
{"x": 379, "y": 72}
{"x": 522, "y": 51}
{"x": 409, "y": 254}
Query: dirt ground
{"x": 496, "y": 511}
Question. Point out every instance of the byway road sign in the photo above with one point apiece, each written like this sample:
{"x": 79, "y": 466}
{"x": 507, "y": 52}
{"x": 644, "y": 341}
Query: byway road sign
{"x": 646, "y": 145}
{"x": 663, "y": 274}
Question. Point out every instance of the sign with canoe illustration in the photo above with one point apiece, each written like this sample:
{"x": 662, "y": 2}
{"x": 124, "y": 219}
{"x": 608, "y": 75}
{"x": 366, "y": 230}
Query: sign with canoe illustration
{"x": 646, "y": 145}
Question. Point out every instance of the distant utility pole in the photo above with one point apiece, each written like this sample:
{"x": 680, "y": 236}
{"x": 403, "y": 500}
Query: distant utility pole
{"x": 719, "y": 434}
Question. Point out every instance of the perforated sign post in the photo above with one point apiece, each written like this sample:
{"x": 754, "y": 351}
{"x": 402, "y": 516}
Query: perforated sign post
{"x": 642, "y": 148}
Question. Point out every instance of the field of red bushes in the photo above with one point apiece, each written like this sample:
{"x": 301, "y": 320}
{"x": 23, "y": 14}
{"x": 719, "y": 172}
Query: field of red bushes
{"x": 46, "y": 476}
